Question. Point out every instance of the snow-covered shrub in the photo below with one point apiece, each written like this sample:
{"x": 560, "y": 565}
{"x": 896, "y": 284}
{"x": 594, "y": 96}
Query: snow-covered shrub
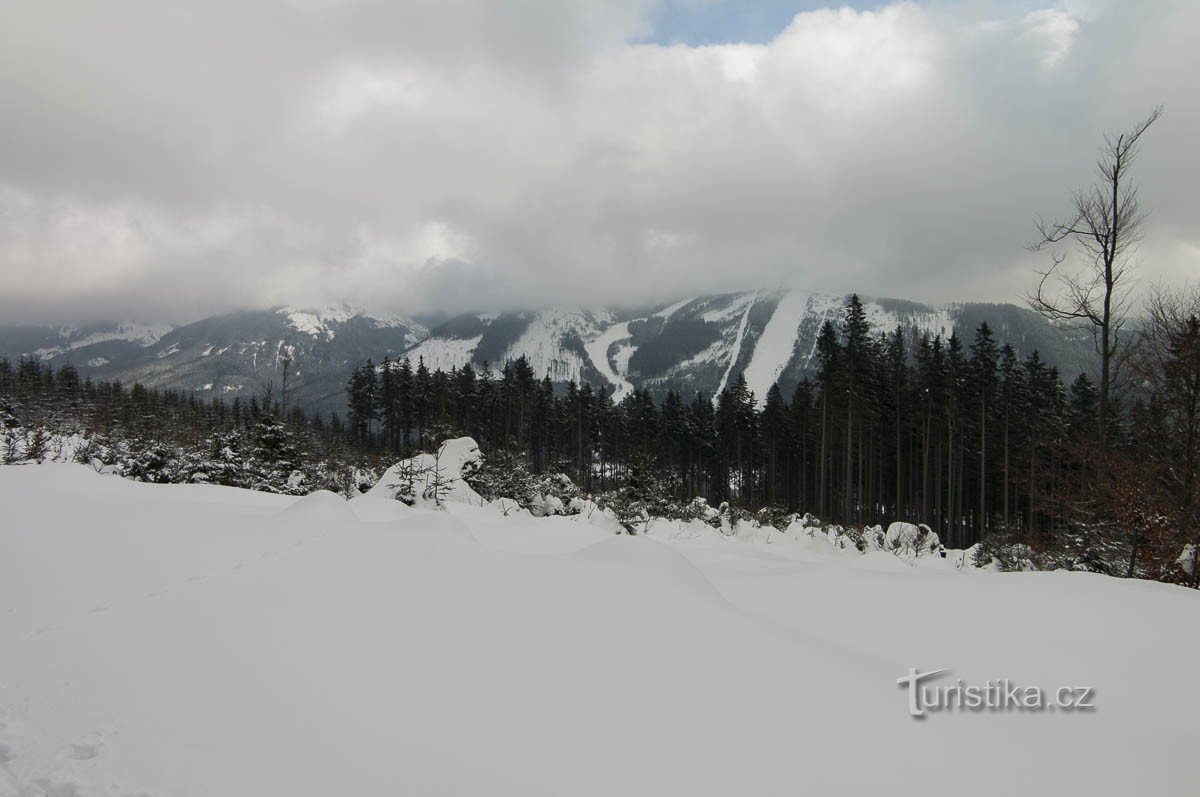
{"x": 1187, "y": 559}
{"x": 1006, "y": 552}
{"x": 632, "y": 513}
{"x": 503, "y": 475}
{"x": 434, "y": 478}
{"x": 151, "y": 461}
{"x": 911, "y": 539}
{"x": 774, "y": 516}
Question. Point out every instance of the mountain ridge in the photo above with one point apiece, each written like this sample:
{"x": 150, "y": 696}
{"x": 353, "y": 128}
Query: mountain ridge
{"x": 694, "y": 344}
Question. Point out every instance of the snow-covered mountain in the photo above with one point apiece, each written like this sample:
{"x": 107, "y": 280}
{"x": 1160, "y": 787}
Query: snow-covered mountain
{"x": 696, "y": 343}
{"x": 701, "y": 343}
{"x": 230, "y": 355}
{"x": 94, "y": 344}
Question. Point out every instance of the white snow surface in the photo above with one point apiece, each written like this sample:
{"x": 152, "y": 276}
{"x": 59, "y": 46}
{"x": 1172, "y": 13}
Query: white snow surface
{"x": 774, "y": 348}
{"x": 444, "y": 353}
{"x": 319, "y": 322}
{"x": 198, "y": 640}
{"x": 597, "y": 351}
{"x": 542, "y": 342}
{"x": 135, "y": 331}
{"x": 736, "y": 348}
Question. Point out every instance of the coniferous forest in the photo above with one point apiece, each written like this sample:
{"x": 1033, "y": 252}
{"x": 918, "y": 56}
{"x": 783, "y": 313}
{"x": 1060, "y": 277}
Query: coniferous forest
{"x": 980, "y": 444}
{"x": 172, "y": 436}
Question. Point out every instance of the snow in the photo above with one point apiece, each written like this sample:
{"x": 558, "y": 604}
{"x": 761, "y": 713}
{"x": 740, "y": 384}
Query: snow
{"x": 134, "y": 331}
{"x": 199, "y": 640}
{"x": 738, "y": 306}
{"x": 774, "y": 348}
{"x": 444, "y": 353}
{"x": 319, "y": 322}
{"x": 672, "y": 309}
{"x": 316, "y": 322}
{"x": 597, "y": 351}
{"x": 425, "y": 475}
{"x": 737, "y": 341}
{"x": 96, "y": 362}
{"x": 541, "y": 343}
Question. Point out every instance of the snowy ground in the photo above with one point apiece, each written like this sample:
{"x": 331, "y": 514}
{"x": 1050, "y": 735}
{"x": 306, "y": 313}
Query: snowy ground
{"x": 193, "y": 640}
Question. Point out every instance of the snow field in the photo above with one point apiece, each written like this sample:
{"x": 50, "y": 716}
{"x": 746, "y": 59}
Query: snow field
{"x": 197, "y": 640}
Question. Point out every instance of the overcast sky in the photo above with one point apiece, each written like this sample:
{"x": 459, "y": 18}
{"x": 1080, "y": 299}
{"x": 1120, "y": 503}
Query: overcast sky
{"x": 165, "y": 160}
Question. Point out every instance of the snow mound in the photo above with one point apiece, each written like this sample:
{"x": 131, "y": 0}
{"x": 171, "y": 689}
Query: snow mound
{"x": 319, "y": 506}
{"x": 433, "y": 479}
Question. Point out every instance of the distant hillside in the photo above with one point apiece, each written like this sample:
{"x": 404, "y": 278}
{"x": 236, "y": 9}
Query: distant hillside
{"x": 692, "y": 345}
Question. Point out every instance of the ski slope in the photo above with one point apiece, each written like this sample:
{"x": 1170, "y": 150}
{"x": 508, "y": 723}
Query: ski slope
{"x": 736, "y": 350}
{"x": 597, "y": 351}
{"x": 195, "y": 641}
{"x": 774, "y": 347}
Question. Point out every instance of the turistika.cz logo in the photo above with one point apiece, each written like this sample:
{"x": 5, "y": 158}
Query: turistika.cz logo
{"x": 998, "y": 694}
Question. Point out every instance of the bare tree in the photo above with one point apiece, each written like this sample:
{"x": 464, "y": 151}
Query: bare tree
{"x": 1105, "y": 228}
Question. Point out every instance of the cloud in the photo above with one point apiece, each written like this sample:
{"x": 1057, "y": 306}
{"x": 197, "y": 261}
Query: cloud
{"x": 164, "y": 161}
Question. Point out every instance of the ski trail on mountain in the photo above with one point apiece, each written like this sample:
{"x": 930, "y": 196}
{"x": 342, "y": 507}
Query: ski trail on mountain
{"x": 774, "y": 349}
{"x": 666, "y": 313}
{"x": 737, "y": 344}
{"x": 597, "y": 351}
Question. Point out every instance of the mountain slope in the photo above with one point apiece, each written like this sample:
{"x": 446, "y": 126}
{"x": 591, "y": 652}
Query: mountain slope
{"x": 699, "y": 344}
{"x": 235, "y": 355}
{"x": 695, "y": 344}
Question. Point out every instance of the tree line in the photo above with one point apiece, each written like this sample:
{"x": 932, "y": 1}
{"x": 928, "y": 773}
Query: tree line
{"x": 894, "y": 426}
{"x": 981, "y": 444}
{"x": 167, "y": 435}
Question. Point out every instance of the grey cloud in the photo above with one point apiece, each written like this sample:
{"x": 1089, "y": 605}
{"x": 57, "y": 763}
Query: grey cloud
{"x": 168, "y": 159}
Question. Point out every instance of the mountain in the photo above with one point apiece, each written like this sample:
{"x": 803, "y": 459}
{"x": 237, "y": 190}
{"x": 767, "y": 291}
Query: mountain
{"x": 700, "y": 343}
{"x": 695, "y": 344}
{"x": 91, "y": 345}
{"x": 230, "y": 355}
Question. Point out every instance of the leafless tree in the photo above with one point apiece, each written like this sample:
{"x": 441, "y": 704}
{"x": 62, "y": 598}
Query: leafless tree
{"x": 1104, "y": 228}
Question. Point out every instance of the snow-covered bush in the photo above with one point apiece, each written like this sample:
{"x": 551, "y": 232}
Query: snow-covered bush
{"x": 1006, "y": 552}
{"x": 911, "y": 539}
{"x": 774, "y": 516}
{"x": 435, "y": 478}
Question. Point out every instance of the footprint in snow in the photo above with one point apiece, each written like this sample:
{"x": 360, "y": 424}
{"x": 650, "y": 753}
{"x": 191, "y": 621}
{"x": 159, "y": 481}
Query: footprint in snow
{"x": 98, "y": 610}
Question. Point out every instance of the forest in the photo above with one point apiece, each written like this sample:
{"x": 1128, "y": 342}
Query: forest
{"x": 982, "y": 445}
